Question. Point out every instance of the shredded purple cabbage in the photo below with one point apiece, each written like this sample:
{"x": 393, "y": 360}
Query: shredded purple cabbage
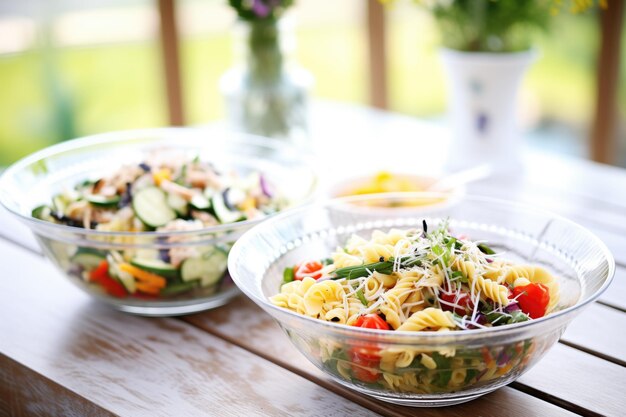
{"x": 127, "y": 196}
{"x": 265, "y": 187}
{"x": 227, "y": 202}
{"x": 164, "y": 255}
{"x": 511, "y": 308}
{"x": 503, "y": 358}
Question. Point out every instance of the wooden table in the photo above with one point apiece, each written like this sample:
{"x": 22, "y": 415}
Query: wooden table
{"x": 62, "y": 353}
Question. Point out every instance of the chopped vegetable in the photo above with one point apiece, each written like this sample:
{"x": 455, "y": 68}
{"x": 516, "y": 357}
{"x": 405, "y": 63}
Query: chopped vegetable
{"x": 208, "y": 268}
{"x": 144, "y": 276}
{"x": 361, "y": 296}
{"x": 533, "y": 299}
{"x": 168, "y": 192}
{"x": 485, "y": 249}
{"x": 288, "y": 275}
{"x": 101, "y": 276}
{"x": 371, "y": 321}
{"x": 156, "y": 266}
{"x": 161, "y": 175}
{"x": 352, "y": 272}
{"x": 311, "y": 269}
{"x": 458, "y": 302}
{"x": 102, "y": 201}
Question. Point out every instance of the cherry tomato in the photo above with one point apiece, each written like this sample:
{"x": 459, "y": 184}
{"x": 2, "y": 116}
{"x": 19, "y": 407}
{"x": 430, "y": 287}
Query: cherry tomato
{"x": 363, "y": 368}
{"x": 461, "y": 299}
{"x": 533, "y": 299}
{"x": 364, "y": 350}
{"x": 365, "y": 358}
{"x": 371, "y": 321}
{"x": 311, "y": 269}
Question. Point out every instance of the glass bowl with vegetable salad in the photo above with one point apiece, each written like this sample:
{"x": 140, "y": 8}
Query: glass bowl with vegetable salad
{"x": 144, "y": 220}
{"x": 421, "y": 305}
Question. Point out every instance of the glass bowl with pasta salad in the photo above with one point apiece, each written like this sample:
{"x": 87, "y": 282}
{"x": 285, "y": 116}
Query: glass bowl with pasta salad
{"x": 144, "y": 220}
{"x": 421, "y": 305}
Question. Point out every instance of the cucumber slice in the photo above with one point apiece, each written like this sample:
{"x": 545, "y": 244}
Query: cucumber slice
{"x": 85, "y": 184}
{"x": 200, "y": 202}
{"x": 88, "y": 259}
{"x": 102, "y": 201}
{"x": 209, "y": 268}
{"x": 156, "y": 266}
{"x": 142, "y": 254}
{"x": 59, "y": 204}
{"x": 151, "y": 207}
{"x": 41, "y": 212}
{"x": 178, "y": 203}
{"x": 223, "y": 213}
{"x": 178, "y": 288}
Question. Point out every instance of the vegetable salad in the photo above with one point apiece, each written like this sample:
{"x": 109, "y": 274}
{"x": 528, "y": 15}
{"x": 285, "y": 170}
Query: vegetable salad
{"x": 164, "y": 193}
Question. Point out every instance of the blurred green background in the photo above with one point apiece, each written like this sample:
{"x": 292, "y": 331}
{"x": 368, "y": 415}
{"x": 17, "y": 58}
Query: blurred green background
{"x": 73, "y": 68}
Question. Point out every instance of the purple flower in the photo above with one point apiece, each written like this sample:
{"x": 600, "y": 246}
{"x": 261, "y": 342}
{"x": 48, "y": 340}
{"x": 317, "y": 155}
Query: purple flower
{"x": 260, "y": 8}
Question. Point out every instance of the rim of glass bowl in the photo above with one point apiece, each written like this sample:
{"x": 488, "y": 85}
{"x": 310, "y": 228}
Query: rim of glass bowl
{"x": 152, "y": 135}
{"x": 423, "y": 335}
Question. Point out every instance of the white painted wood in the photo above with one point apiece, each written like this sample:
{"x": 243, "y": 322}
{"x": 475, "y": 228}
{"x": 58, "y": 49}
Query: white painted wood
{"x": 581, "y": 379}
{"x": 136, "y": 366}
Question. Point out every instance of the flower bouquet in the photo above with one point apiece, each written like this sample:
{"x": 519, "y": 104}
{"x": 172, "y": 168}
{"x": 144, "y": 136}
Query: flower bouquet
{"x": 266, "y": 94}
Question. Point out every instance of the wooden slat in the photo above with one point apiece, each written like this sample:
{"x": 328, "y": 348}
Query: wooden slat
{"x": 376, "y": 35}
{"x": 263, "y": 336}
{"x": 615, "y": 295}
{"x": 604, "y": 130}
{"x": 592, "y": 212}
{"x": 578, "y": 177}
{"x": 571, "y": 377}
{"x": 136, "y": 366}
{"x": 594, "y": 331}
{"x": 171, "y": 62}
{"x": 568, "y": 207}
{"x": 26, "y": 393}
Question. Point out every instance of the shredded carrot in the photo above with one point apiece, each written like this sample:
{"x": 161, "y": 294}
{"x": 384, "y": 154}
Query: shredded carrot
{"x": 161, "y": 175}
{"x": 487, "y": 356}
{"x": 506, "y": 368}
{"x": 147, "y": 288}
{"x": 148, "y": 278}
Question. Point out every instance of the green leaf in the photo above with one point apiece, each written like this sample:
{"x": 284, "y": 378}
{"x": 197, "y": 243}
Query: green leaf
{"x": 288, "y": 275}
{"x": 458, "y": 276}
{"x": 361, "y": 297}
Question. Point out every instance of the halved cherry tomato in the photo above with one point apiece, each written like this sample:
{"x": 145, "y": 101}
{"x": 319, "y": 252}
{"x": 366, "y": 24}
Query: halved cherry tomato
{"x": 533, "y": 299}
{"x": 371, "y": 321}
{"x": 462, "y": 300}
{"x": 364, "y": 350}
{"x": 365, "y": 358}
{"x": 311, "y": 269}
{"x": 363, "y": 368}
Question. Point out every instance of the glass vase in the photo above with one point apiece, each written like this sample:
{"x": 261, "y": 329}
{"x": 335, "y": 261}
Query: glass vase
{"x": 266, "y": 93}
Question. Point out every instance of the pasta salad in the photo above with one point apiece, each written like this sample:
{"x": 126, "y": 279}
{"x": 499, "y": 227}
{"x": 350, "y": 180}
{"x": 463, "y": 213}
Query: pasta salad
{"x": 416, "y": 281}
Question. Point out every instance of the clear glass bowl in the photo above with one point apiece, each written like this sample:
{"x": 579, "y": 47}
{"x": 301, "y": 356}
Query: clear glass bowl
{"x": 35, "y": 179}
{"x": 465, "y": 364}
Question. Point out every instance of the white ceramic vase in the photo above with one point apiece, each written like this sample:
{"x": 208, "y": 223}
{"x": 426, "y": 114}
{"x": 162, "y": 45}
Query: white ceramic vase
{"x": 482, "y": 108}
